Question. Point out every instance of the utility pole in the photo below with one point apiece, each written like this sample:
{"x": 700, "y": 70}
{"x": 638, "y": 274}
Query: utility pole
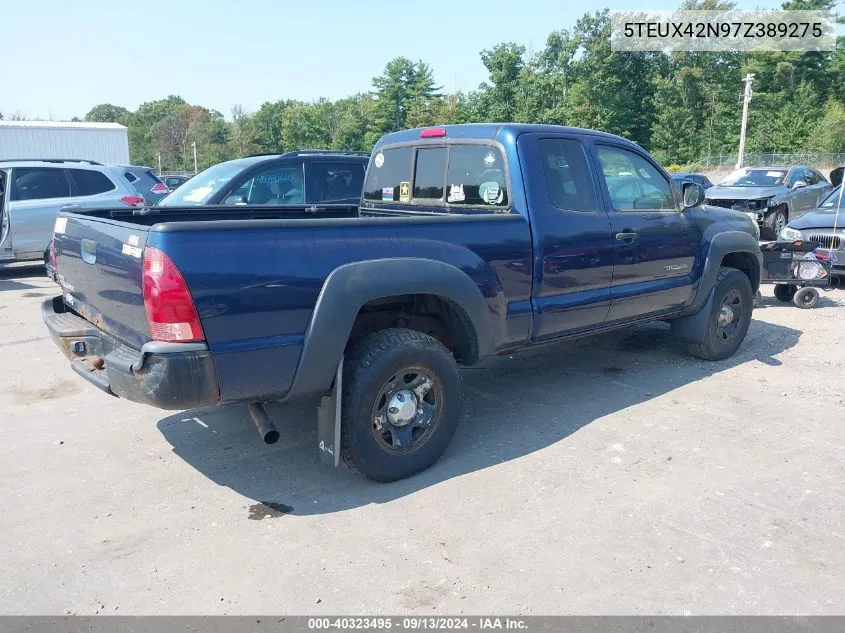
{"x": 159, "y": 163}
{"x": 746, "y": 99}
{"x": 194, "y": 145}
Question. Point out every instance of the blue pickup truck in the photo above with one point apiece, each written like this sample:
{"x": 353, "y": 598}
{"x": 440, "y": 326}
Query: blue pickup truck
{"x": 469, "y": 241}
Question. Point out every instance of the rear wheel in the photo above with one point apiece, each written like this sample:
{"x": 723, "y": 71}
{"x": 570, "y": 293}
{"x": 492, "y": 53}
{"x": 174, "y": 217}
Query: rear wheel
{"x": 785, "y": 292}
{"x": 806, "y": 298}
{"x": 729, "y": 319}
{"x": 401, "y": 404}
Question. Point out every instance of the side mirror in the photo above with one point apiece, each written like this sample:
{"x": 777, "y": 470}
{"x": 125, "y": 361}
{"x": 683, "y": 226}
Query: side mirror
{"x": 693, "y": 195}
{"x": 798, "y": 184}
{"x": 234, "y": 200}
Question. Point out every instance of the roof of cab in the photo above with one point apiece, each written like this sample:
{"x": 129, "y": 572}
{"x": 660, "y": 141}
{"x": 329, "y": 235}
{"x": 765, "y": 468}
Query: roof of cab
{"x": 491, "y": 131}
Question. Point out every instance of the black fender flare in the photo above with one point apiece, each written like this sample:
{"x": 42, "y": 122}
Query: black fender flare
{"x": 693, "y": 326}
{"x": 350, "y": 286}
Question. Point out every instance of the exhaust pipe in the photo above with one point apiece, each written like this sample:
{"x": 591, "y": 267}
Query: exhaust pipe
{"x": 265, "y": 427}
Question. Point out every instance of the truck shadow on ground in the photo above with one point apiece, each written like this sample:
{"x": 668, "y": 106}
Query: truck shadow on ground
{"x": 9, "y": 276}
{"x": 513, "y": 406}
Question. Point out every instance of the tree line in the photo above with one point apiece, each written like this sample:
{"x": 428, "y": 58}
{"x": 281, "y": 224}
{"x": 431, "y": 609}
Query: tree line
{"x": 682, "y": 107}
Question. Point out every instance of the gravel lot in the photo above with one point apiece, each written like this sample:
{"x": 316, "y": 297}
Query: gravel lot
{"x": 614, "y": 475}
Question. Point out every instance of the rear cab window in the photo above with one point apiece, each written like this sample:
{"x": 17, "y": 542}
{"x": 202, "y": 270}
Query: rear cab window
{"x": 449, "y": 178}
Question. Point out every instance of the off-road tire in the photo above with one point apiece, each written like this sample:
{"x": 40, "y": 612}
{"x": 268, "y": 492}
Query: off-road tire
{"x": 785, "y": 292}
{"x": 712, "y": 347}
{"x": 368, "y": 366}
{"x": 769, "y": 230}
{"x": 806, "y": 298}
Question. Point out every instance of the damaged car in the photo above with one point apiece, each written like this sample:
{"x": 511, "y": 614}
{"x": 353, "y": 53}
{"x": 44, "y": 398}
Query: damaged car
{"x": 825, "y": 226}
{"x": 770, "y": 195}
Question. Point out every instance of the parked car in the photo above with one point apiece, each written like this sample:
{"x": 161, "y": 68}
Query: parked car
{"x": 293, "y": 178}
{"x": 145, "y": 181}
{"x": 472, "y": 241}
{"x": 825, "y": 225}
{"x": 33, "y": 191}
{"x": 772, "y": 195}
{"x": 681, "y": 177}
{"x": 172, "y": 181}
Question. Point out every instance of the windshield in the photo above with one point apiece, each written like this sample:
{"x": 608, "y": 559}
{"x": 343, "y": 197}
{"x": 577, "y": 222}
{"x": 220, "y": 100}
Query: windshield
{"x": 832, "y": 202}
{"x": 755, "y": 178}
{"x": 201, "y": 187}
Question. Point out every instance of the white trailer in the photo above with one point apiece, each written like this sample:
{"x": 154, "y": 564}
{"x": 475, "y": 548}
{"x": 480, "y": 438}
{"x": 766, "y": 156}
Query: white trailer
{"x": 106, "y": 143}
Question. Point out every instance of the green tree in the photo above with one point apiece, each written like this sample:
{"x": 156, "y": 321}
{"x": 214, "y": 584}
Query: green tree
{"x": 107, "y": 113}
{"x": 403, "y": 84}
{"x": 612, "y": 91}
{"x": 267, "y": 125}
{"x": 499, "y": 97}
{"x": 827, "y": 135}
{"x": 676, "y": 134}
{"x": 242, "y": 132}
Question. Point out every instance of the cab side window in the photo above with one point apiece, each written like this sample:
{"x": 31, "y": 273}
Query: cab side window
{"x": 633, "y": 183}
{"x": 567, "y": 175}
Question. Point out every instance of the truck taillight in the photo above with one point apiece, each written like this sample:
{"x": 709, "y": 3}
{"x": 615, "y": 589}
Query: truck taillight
{"x": 171, "y": 313}
{"x": 133, "y": 201}
{"x": 53, "y": 254}
{"x": 160, "y": 187}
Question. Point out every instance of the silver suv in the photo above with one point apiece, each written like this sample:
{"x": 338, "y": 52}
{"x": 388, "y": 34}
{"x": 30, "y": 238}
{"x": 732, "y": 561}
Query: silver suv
{"x": 33, "y": 191}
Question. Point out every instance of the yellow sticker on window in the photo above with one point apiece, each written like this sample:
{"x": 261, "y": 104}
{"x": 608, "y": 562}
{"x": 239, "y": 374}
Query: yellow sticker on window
{"x": 404, "y": 192}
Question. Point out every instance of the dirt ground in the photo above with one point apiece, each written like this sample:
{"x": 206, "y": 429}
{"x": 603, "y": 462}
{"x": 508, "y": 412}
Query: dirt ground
{"x": 611, "y": 476}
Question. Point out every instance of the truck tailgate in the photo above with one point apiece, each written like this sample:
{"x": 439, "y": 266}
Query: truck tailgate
{"x": 99, "y": 266}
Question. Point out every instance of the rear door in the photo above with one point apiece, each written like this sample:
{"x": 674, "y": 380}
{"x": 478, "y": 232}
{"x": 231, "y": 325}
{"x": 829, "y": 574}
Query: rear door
{"x": 572, "y": 236}
{"x": 802, "y": 197}
{"x": 656, "y": 246}
{"x": 35, "y": 198}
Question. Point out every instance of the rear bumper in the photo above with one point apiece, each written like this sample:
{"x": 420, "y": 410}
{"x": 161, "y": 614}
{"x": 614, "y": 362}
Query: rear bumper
{"x": 162, "y": 375}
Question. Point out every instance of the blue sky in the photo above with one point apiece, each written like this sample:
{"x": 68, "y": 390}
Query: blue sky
{"x": 62, "y": 58}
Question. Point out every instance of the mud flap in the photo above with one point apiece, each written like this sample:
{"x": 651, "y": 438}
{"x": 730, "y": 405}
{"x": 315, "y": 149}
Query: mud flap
{"x": 693, "y": 328}
{"x": 328, "y": 421}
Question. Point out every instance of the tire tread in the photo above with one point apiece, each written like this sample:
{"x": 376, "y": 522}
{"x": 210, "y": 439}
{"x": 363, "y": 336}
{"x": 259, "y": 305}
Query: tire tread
{"x": 705, "y": 350}
{"x": 360, "y": 359}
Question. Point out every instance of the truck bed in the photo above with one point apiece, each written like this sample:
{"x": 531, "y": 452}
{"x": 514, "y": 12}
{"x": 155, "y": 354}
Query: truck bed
{"x": 255, "y": 275}
{"x": 147, "y": 216}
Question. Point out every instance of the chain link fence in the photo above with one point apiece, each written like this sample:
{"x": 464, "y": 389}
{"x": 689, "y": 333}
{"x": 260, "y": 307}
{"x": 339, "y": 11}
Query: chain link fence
{"x": 174, "y": 172}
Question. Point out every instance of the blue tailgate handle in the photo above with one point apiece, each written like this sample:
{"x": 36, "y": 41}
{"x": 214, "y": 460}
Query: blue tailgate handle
{"x": 88, "y": 250}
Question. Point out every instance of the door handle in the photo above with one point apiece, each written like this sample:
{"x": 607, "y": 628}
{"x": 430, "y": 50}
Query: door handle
{"x": 626, "y": 236}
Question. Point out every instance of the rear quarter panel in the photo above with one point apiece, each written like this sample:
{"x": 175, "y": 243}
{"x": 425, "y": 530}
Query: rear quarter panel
{"x": 255, "y": 286}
